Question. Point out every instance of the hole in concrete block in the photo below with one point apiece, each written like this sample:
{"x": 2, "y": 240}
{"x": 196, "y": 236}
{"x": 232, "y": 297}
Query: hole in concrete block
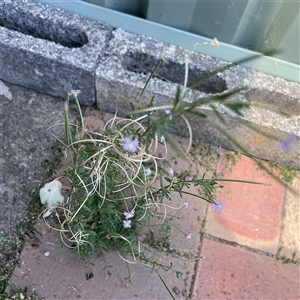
{"x": 15, "y": 19}
{"x": 171, "y": 71}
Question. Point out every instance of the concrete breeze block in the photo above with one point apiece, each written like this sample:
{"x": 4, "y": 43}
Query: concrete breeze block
{"x": 49, "y": 50}
{"x": 130, "y": 58}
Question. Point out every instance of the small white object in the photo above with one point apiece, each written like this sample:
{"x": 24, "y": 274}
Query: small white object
{"x": 47, "y": 253}
{"x": 50, "y": 194}
{"x": 37, "y": 72}
{"x": 47, "y": 213}
{"x": 4, "y": 90}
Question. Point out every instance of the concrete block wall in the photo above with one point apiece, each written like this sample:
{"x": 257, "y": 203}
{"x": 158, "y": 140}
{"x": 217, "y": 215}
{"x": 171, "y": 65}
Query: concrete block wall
{"x": 49, "y": 50}
{"x": 52, "y": 51}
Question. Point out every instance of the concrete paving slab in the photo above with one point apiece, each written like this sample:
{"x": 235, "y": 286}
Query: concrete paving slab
{"x": 252, "y": 213}
{"x": 231, "y": 273}
{"x": 62, "y": 275}
{"x": 27, "y": 122}
{"x": 290, "y": 231}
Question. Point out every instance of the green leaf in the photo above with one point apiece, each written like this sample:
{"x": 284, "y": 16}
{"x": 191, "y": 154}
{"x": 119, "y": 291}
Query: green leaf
{"x": 152, "y": 74}
{"x": 174, "y": 145}
{"x": 195, "y": 113}
{"x": 165, "y": 285}
{"x": 237, "y": 106}
{"x": 177, "y": 97}
{"x": 217, "y": 113}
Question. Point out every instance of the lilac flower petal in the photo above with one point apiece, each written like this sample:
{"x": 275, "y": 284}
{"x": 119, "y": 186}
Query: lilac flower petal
{"x": 167, "y": 111}
{"x": 74, "y": 93}
{"x": 285, "y": 146}
{"x": 129, "y": 215}
{"x": 186, "y": 205}
{"x": 219, "y": 206}
{"x": 171, "y": 172}
{"x": 188, "y": 236}
{"x": 130, "y": 145}
{"x": 127, "y": 223}
{"x": 148, "y": 171}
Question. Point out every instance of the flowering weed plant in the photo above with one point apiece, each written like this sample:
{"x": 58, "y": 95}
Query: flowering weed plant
{"x": 117, "y": 184}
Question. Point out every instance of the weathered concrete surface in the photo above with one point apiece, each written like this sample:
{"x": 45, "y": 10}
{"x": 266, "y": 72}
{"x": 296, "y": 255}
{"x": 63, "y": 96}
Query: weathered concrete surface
{"x": 129, "y": 60}
{"x": 49, "y": 50}
{"x": 26, "y": 151}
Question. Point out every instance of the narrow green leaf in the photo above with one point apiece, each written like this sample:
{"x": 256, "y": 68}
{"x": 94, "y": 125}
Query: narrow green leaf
{"x": 165, "y": 285}
{"x": 174, "y": 145}
{"x": 217, "y": 113}
{"x": 237, "y": 106}
{"x": 195, "y": 113}
{"x": 147, "y": 82}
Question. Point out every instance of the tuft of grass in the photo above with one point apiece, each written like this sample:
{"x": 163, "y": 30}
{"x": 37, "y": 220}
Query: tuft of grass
{"x": 286, "y": 260}
{"x": 287, "y": 174}
{"x": 231, "y": 159}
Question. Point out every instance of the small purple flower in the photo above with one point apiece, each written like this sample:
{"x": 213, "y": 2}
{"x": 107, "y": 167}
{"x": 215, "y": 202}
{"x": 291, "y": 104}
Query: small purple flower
{"x": 188, "y": 236}
{"x": 162, "y": 139}
{"x": 148, "y": 171}
{"x": 186, "y": 205}
{"x": 66, "y": 104}
{"x": 130, "y": 145}
{"x": 129, "y": 215}
{"x": 167, "y": 111}
{"x": 219, "y": 206}
{"x": 74, "y": 93}
{"x": 127, "y": 223}
{"x": 286, "y": 146}
{"x": 171, "y": 172}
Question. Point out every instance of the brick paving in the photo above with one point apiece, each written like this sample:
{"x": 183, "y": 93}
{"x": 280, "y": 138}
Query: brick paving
{"x": 238, "y": 250}
{"x": 256, "y": 221}
{"x": 252, "y": 214}
{"x": 230, "y": 272}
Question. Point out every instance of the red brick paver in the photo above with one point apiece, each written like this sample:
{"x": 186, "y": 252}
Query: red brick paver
{"x": 252, "y": 213}
{"x": 229, "y": 272}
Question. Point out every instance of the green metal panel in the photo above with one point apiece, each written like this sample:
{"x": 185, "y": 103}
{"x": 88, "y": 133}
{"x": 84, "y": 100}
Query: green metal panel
{"x": 254, "y": 25}
{"x": 131, "y": 7}
{"x": 174, "y": 14}
{"x": 227, "y": 52}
